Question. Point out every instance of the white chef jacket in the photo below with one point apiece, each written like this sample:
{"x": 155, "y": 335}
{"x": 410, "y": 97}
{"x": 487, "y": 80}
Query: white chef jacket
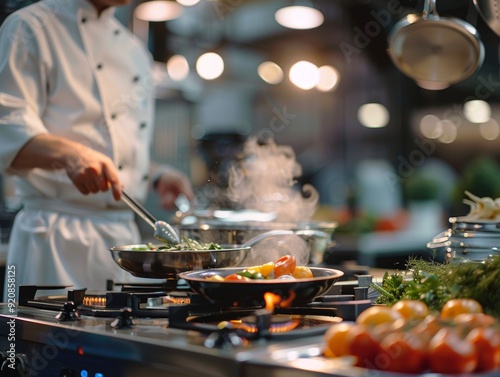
{"x": 65, "y": 70}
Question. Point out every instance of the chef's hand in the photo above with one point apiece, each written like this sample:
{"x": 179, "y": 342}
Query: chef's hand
{"x": 170, "y": 184}
{"x": 92, "y": 172}
{"x": 89, "y": 170}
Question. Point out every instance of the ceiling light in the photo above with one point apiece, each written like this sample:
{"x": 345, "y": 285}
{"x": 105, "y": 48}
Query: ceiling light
{"x": 304, "y": 75}
{"x": 188, "y": 3}
{"x": 477, "y": 111}
{"x": 270, "y": 72}
{"x": 210, "y": 66}
{"x": 373, "y": 115}
{"x": 328, "y": 78}
{"x": 299, "y": 17}
{"x": 177, "y": 67}
{"x": 158, "y": 10}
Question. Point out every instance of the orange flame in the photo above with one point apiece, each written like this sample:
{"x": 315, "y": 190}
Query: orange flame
{"x": 274, "y": 300}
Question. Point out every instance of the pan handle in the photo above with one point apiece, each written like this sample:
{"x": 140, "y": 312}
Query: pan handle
{"x": 429, "y": 9}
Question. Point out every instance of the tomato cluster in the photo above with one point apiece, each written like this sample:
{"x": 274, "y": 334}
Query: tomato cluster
{"x": 405, "y": 338}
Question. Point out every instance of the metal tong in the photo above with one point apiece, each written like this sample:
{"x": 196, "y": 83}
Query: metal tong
{"x": 162, "y": 230}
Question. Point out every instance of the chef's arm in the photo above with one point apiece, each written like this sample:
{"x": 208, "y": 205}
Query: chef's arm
{"x": 169, "y": 183}
{"x": 89, "y": 170}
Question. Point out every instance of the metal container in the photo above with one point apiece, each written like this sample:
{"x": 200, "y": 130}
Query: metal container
{"x": 467, "y": 241}
{"x": 308, "y": 244}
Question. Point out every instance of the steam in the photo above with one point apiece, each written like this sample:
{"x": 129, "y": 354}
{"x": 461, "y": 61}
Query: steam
{"x": 263, "y": 179}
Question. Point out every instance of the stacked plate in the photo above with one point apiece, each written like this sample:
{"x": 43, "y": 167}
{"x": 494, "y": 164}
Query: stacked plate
{"x": 467, "y": 241}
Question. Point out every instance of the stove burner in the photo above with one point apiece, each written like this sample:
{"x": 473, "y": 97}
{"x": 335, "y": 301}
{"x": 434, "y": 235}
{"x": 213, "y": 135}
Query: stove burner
{"x": 94, "y": 300}
{"x": 256, "y": 323}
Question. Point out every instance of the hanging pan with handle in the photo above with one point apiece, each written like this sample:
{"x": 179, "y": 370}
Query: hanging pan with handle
{"x": 435, "y": 51}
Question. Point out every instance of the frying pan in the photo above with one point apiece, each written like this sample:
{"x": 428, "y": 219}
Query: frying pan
{"x": 251, "y": 293}
{"x": 166, "y": 264}
{"x": 435, "y": 50}
{"x": 490, "y": 12}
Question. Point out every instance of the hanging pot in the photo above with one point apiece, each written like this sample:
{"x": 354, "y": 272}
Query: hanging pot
{"x": 490, "y": 12}
{"x": 435, "y": 51}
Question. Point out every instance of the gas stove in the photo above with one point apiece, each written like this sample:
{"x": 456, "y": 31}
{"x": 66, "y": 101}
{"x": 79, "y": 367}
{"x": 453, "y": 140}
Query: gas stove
{"x": 161, "y": 331}
{"x": 150, "y": 331}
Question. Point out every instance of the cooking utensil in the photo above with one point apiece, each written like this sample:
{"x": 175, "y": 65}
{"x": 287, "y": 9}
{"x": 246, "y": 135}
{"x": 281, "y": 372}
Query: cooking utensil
{"x": 489, "y": 10}
{"x": 166, "y": 264}
{"x": 314, "y": 236}
{"x": 244, "y": 293}
{"x": 162, "y": 230}
{"x": 435, "y": 50}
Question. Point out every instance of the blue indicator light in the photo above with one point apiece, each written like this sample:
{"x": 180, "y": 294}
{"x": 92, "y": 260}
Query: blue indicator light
{"x": 84, "y": 373}
{"x": 98, "y": 375}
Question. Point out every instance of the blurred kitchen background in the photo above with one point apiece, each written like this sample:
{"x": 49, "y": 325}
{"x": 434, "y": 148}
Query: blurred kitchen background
{"x": 390, "y": 157}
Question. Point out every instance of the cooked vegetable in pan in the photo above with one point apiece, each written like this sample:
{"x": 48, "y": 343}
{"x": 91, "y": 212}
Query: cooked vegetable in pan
{"x": 186, "y": 244}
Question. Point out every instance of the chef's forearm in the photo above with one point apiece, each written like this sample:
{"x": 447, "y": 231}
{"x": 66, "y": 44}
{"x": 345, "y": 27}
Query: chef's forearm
{"x": 49, "y": 152}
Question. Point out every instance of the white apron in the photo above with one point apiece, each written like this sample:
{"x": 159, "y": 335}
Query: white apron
{"x": 54, "y": 243}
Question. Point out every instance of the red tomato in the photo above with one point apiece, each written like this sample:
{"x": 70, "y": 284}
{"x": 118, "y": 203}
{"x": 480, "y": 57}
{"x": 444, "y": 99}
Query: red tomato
{"x": 448, "y": 353}
{"x": 236, "y": 277}
{"x": 402, "y": 352}
{"x": 364, "y": 346}
{"x": 487, "y": 343}
{"x": 285, "y": 266}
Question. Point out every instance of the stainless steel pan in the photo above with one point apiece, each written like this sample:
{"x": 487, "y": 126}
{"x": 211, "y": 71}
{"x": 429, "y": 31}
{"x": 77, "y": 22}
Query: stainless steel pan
{"x": 163, "y": 264}
{"x": 434, "y": 50}
{"x": 167, "y": 264}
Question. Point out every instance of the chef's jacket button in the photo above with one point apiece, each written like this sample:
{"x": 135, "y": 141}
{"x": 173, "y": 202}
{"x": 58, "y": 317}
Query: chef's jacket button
{"x": 99, "y": 66}
{"x": 84, "y": 19}
{"x": 120, "y": 167}
{"x": 143, "y": 125}
{"x": 113, "y": 116}
{"x": 117, "y": 31}
{"x": 145, "y": 177}
{"x": 136, "y": 78}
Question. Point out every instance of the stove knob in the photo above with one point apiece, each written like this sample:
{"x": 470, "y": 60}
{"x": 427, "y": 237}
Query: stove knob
{"x": 18, "y": 368}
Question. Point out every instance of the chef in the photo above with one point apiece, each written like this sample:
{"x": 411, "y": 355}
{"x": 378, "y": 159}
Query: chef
{"x": 76, "y": 123}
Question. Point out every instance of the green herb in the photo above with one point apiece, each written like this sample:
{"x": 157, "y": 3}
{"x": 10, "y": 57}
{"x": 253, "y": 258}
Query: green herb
{"x": 435, "y": 283}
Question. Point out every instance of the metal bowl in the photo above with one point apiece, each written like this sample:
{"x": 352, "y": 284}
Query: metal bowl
{"x": 309, "y": 244}
{"x": 162, "y": 264}
{"x": 244, "y": 293}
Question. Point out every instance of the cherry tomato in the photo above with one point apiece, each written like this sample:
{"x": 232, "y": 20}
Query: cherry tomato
{"x": 428, "y": 327}
{"x": 364, "y": 346}
{"x": 285, "y": 265}
{"x": 336, "y": 339}
{"x": 455, "y": 307}
{"x": 236, "y": 277}
{"x": 449, "y": 353}
{"x": 486, "y": 340}
{"x": 375, "y": 315}
{"x": 471, "y": 320}
{"x": 411, "y": 309}
{"x": 402, "y": 352}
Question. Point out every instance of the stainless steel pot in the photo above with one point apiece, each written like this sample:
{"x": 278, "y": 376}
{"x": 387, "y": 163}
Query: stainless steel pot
{"x": 308, "y": 242}
{"x": 435, "y": 50}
